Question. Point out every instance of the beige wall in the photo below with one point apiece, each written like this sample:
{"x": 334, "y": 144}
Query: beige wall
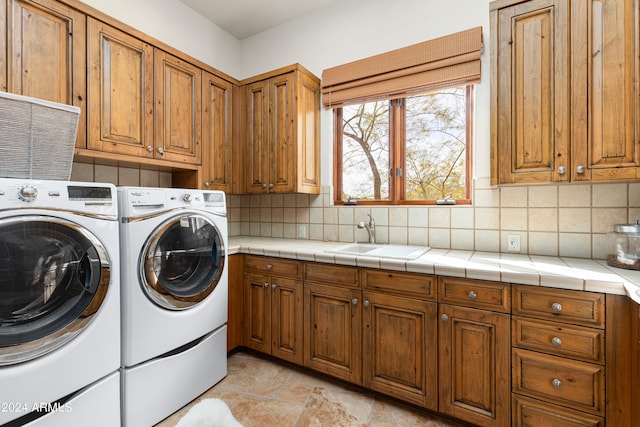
{"x": 555, "y": 220}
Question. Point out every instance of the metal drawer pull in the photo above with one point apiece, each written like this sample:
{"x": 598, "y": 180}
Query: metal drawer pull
{"x": 274, "y": 286}
{"x": 269, "y": 266}
{"x": 354, "y": 301}
{"x": 556, "y": 383}
{"x": 266, "y": 285}
{"x": 557, "y": 342}
{"x": 444, "y": 317}
{"x": 473, "y": 295}
{"x": 366, "y": 303}
{"x": 556, "y": 307}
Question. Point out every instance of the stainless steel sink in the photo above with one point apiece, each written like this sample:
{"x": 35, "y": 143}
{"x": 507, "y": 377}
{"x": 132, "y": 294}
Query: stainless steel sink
{"x": 381, "y": 250}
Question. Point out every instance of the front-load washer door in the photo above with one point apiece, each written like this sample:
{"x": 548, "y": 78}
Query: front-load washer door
{"x": 182, "y": 261}
{"x": 54, "y": 275}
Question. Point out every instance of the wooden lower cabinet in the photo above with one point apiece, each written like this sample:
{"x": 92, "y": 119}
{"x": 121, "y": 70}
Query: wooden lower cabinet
{"x": 236, "y": 301}
{"x": 474, "y": 380}
{"x": 534, "y": 413}
{"x": 400, "y": 348}
{"x": 332, "y": 330}
{"x": 273, "y": 316}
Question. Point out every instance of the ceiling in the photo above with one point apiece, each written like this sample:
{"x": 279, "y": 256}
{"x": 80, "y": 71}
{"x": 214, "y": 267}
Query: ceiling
{"x": 244, "y": 18}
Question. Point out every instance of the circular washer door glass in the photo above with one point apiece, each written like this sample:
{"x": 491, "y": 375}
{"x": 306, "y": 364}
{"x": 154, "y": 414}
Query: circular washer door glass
{"x": 182, "y": 261}
{"x": 54, "y": 276}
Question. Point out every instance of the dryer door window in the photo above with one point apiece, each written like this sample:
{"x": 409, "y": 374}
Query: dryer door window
{"x": 54, "y": 276}
{"x": 182, "y": 261}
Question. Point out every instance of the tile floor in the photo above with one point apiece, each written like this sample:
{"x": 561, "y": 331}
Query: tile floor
{"x": 264, "y": 392}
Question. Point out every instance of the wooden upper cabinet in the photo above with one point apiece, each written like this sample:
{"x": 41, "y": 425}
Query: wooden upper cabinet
{"x": 282, "y": 132}
{"x": 564, "y": 101}
{"x": 45, "y": 54}
{"x": 217, "y": 133}
{"x": 530, "y": 91}
{"x": 178, "y": 120}
{"x": 606, "y": 120}
{"x": 120, "y": 92}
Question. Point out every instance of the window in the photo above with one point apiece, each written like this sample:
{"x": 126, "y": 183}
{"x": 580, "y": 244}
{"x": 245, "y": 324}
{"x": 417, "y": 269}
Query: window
{"x": 403, "y": 120}
{"x": 411, "y": 150}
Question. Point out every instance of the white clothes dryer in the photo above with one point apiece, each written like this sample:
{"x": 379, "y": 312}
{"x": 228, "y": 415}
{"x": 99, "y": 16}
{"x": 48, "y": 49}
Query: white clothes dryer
{"x": 174, "y": 298}
{"x": 59, "y": 303}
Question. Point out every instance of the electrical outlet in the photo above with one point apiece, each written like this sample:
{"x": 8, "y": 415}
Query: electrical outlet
{"x": 513, "y": 243}
{"x": 302, "y": 231}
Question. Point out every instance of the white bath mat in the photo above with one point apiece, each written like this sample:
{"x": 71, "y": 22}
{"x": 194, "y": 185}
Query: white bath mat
{"x": 209, "y": 413}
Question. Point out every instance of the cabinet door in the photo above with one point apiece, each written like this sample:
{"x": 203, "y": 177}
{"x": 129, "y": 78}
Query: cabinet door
{"x": 257, "y": 313}
{"x": 400, "y": 344}
{"x": 217, "y": 132}
{"x": 282, "y": 160}
{"x": 474, "y": 365}
{"x": 530, "y": 86}
{"x": 332, "y": 326}
{"x": 120, "y": 116}
{"x": 307, "y": 161}
{"x": 286, "y": 319}
{"x": 257, "y": 137}
{"x": 605, "y": 104}
{"x": 46, "y": 47}
{"x": 178, "y": 110}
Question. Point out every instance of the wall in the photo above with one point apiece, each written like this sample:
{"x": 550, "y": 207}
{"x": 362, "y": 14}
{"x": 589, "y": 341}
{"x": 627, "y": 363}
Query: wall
{"x": 174, "y": 23}
{"x": 564, "y": 219}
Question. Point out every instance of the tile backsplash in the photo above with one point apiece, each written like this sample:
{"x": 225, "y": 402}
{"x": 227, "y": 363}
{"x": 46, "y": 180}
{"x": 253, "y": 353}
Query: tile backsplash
{"x": 119, "y": 175}
{"x": 569, "y": 220}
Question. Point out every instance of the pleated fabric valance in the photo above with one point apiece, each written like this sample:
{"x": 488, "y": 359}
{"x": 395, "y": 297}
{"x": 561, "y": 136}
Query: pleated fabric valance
{"x": 452, "y": 60}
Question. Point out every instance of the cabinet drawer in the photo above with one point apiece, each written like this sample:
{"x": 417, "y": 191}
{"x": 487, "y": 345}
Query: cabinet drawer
{"x": 420, "y": 285}
{"x": 494, "y": 296}
{"x": 273, "y": 266}
{"x": 578, "y": 385}
{"x": 530, "y": 412}
{"x": 340, "y": 275}
{"x": 578, "y": 307}
{"x": 559, "y": 339}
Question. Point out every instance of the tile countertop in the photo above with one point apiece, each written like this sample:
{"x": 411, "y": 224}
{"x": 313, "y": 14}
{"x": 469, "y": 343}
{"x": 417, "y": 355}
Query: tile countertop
{"x": 567, "y": 273}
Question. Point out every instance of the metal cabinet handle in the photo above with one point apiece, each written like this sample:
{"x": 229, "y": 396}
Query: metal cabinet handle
{"x": 269, "y": 266}
{"x": 562, "y": 170}
{"x": 557, "y": 342}
{"x": 556, "y": 383}
{"x": 264, "y": 185}
{"x": 473, "y": 295}
{"x": 580, "y": 169}
{"x": 266, "y": 285}
{"x": 160, "y": 150}
{"x": 149, "y": 148}
{"x": 273, "y": 286}
{"x": 270, "y": 185}
{"x": 354, "y": 301}
{"x": 444, "y": 317}
{"x": 556, "y": 307}
{"x": 207, "y": 184}
{"x": 366, "y": 303}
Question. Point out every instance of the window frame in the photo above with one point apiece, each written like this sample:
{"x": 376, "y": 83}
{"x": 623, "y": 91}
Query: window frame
{"x": 397, "y": 147}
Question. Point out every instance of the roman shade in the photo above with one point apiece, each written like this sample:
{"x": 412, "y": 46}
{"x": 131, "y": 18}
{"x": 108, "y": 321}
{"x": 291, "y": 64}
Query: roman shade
{"x": 451, "y": 60}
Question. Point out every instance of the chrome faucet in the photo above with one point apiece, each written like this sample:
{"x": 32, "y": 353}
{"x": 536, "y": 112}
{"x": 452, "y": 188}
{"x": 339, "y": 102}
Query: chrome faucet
{"x": 371, "y": 228}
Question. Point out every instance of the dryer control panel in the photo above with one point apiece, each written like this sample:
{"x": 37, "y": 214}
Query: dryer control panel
{"x": 85, "y": 197}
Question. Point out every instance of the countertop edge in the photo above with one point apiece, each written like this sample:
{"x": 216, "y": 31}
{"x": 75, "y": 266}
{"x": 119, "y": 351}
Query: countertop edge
{"x": 558, "y": 272}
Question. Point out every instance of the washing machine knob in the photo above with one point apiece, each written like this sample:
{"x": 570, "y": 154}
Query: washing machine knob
{"x": 187, "y": 198}
{"x": 28, "y": 193}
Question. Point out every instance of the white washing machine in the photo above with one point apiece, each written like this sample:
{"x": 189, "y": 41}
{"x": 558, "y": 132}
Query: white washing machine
{"x": 59, "y": 304}
{"x": 173, "y": 246}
